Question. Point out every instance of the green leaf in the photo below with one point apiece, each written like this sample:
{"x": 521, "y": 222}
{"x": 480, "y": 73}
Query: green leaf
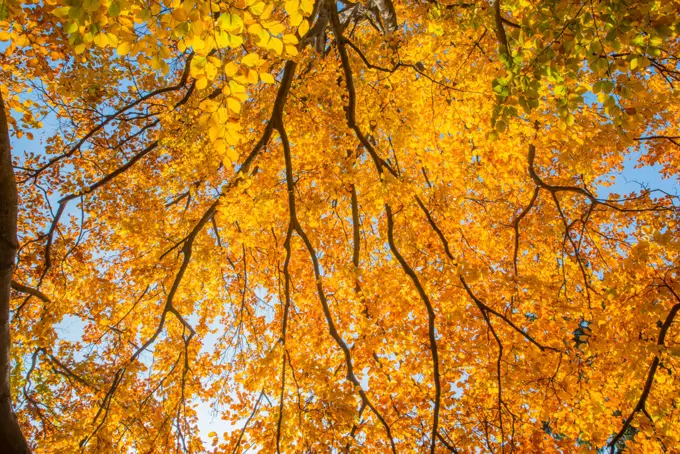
{"x": 76, "y": 13}
{"x": 114, "y": 9}
{"x": 91, "y": 5}
{"x": 71, "y": 27}
{"x": 62, "y": 11}
{"x": 639, "y": 40}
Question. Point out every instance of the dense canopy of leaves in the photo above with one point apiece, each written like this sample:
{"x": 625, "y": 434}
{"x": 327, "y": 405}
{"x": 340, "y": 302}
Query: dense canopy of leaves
{"x": 380, "y": 226}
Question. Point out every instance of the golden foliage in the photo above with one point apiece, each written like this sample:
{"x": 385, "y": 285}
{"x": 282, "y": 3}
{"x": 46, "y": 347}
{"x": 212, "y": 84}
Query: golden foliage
{"x": 371, "y": 227}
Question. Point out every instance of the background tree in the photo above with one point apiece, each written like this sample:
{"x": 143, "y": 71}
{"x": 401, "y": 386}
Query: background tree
{"x": 378, "y": 226}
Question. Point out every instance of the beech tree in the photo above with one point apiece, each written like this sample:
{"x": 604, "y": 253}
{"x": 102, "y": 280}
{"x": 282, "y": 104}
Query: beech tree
{"x": 381, "y": 226}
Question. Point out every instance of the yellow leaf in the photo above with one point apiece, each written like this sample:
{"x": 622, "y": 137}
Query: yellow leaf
{"x": 243, "y": 97}
{"x": 156, "y": 62}
{"x": 251, "y": 60}
{"x": 197, "y": 43}
{"x": 275, "y": 28}
{"x": 232, "y": 154}
{"x": 296, "y": 19}
{"x": 234, "y": 105}
{"x": 252, "y": 76}
{"x": 208, "y": 105}
{"x": 231, "y": 23}
{"x": 291, "y": 7}
{"x": 230, "y": 69}
{"x": 222, "y": 39}
{"x": 236, "y": 87}
{"x": 267, "y": 12}
{"x": 21, "y": 40}
{"x": 100, "y": 40}
{"x": 257, "y": 9}
{"x": 307, "y": 6}
{"x": 276, "y": 45}
{"x": 264, "y": 39}
{"x": 210, "y": 71}
{"x": 201, "y": 83}
{"x": 113, "y": 40}
{"x": 255, "y": 29}
{"x": 235, "y": 41}
{"x": 290, "y": 39}
{"x": 303, "y": 28}
{"x": 70, "y": 27}
{"x": 198, "y": 66}
{"x": 219, "y": 146}
{"x": 267, "y": 78}
{"x": 62, "y": 11}
{"x": 215, "y": 132}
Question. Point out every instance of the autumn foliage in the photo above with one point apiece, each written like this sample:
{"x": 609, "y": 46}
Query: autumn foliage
{"x": 382, "y": 226}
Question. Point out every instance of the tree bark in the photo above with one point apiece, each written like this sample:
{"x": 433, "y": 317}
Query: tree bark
{"x": 12, "y": 440}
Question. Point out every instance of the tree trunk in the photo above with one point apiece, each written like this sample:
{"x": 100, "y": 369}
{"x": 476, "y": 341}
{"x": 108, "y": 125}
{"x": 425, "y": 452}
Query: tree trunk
{"x": 12, "y": 441}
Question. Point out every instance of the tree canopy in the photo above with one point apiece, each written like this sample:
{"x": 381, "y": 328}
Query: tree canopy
{"x": 382, "y": 226}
